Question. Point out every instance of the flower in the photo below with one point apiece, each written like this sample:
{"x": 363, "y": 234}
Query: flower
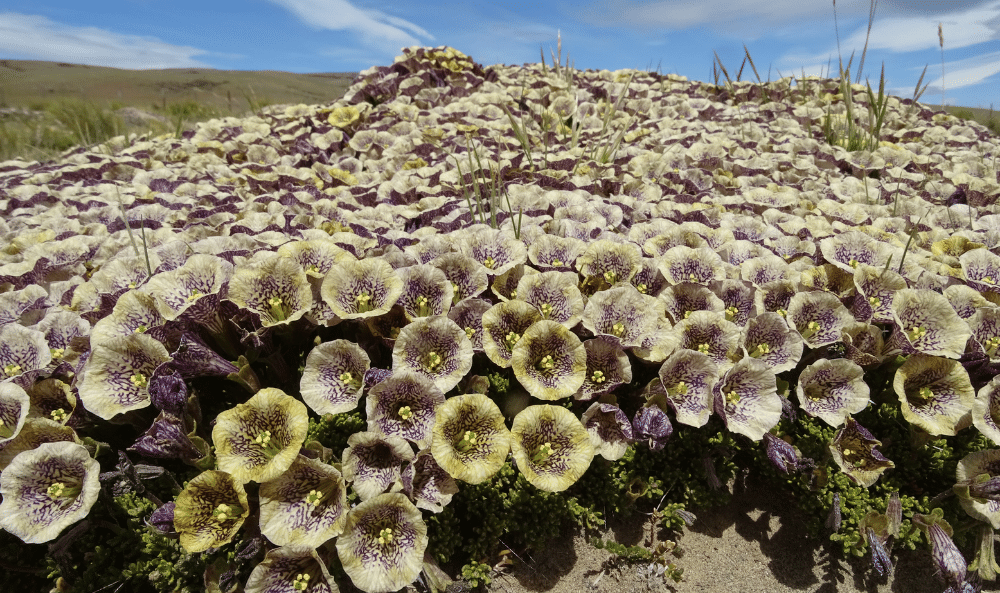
{"x": 624, "y": 315}
{"x": 209, "y": 511}
{"x": 275, "y": 288}
{"x": 768, "y": 338}
{"x": 876, "y": 287}
{"x": 435, "y": 347}
{"x": 607, "y": 368}
{"x": 549, "y": 361}
{"x": 609, "y": 261}
{"x": 33, "y": 433}
{"x": 985, "y": 326}
{"x": 382, "y": 547}
{"x": 555, "y": 295}
{"x": 306, "y": 505}
{"x": 468, "y": 279}
{"x": 116, "y": 376}
{"x": 426, "y": 291}
{"x": 503, "y": 325}
{"x": 551, "y": 251}
{"x": 551, "y": 447}
{"x": 849, "y": 249}
{"x": 14, "y": 405}
{"x": 495, "y": 249}
{"x": 468, "y": 314}
{"x": 610, "y": 430}
{"x": 22, "y": 351}
{"x": 833, "y": 390}
{"x": 46, "y": 489}
{"x": 359, "y": 289}
{"x": 257, "y": 441}
{"x": 687, "y": 378}
{"x": 747, "y": 400}
{"x": 854, "y": 451}
{"x": 709, "y": 333}
{"x": 470, "y": 440}
{"x": 928, "y": 324}
{"x": 936, "y": 394}
{"x": 192, "y": 290}
{"x": 986, "y": 409}
{"x": 819, "y": 317}
{"x": 427, "y": 484}
{"x": 686, "y": 264}
{"x": 332, "y": 377}
{"x": 683, "y": 299}
{"x": 372, "y": 462}
{"x": 976, "y": 471}
{"x": 134, "y": 312}
{"x": 981, "y": 269}
{"x": 403, "y": 405}
{"x": 290, "y": 569}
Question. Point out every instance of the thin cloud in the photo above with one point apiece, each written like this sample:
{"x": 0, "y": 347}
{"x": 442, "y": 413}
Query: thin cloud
{"x": 376, "y": 29}
{"x": 35, "y": 37}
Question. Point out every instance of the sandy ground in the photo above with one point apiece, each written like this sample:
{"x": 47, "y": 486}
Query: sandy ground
{"x": 756, "y": 544}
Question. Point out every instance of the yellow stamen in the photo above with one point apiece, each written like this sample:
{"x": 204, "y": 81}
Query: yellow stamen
{"x": 139, "y": 380}
{"x": 597, "y": 377}
{"x": 405, "y": 413}
{"x": 301, "y": 582}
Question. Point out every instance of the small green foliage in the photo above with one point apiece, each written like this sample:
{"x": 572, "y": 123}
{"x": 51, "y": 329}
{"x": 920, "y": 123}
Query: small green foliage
{"x": 499, "y": 384}
{"x": 628, "y": 554}
{"x": 477, "y": 573}
{"x": 333, "y": 430}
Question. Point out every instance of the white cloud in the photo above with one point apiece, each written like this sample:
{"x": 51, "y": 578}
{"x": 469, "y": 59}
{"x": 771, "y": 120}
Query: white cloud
{"x": 37, "y": 38}
{"x": 376, "y": 29}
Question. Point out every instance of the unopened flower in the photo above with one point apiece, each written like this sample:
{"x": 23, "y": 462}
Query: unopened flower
{"x": 209, "y": 511}
{"x": 46, "y": 489}
{"x": 551, "y": 447}
{"x": 257, "y": 441}
{"x": 936, "y": 394}
{"x": 470, "y": 440}
{"x": 382, "y": 547}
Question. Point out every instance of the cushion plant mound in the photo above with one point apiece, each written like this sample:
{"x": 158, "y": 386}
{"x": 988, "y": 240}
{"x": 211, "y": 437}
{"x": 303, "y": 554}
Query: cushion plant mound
{"x": 698, "y": 280}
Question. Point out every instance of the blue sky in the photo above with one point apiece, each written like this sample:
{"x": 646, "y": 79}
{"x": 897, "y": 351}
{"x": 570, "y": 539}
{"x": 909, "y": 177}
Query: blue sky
{"x": 678, "y": 36}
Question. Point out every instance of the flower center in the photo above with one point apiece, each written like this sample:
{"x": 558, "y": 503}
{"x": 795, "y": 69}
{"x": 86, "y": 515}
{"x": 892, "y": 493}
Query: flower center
{"x": 598, "y": 377}
{"x": 874, "y": 301}
{"x": 314, "y": 497}
{"x": 456, "y": 293}
{"x": 610, "y": 277}
{"x": 510, "y": 339}
{"x": 139, "y": 380}
{"x": 423, "y": 306}
{"x": 760, "y": 350}
{"x": 546, "y": 363}
{"x": 991, "y": 345}
{"x": 732, "y": 397}
{"x": 227, "y": 512}
{"x": 642, "y": 287}
{"x": 269, "y": 446}
{"x": 277, "y": 308}
{"x": 489, "y": 263}
{"x": 194, "y": 295}
{"x": 469, "y": 332}
{"x": 141, "y": 329}
{"x": 63, "y": 491}
{"x": 405, "y": 413}
{"x": 618, "y": 329}
{"x": 363, "y": 302}
{"x": 12, "y": 369}
{"x": 386, "y": 536}
{"x": 348, "y": 378}
{"x": 853, "y": 263}
{"x": 6, "y": 431}
{"x": 542, "y": 453}
{"x": 432, "y": 361}
{"x": 301, "y": 582}
{"x": 59, "y": 415}
{"x": 923, "y": 395}
{"x": 680, "y": 389}
{"x": 703, "y": 348}
{"x": 810, "y": 330}
{"x": 546, "y": 310}
{"x": 469, "y": 440}
{"x": 57, "y": 353}
{"x": 731, "y": 313}
{"x": 987, "y": 280}
{"x": 557, "y": 262}
{"x": 915, "y": 333}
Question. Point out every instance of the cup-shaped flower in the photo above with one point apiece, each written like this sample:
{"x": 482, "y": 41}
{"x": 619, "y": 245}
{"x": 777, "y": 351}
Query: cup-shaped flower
{"x": 551, "y": 447}
{"x": 192, "y": 290}
{"x": 257, "y": 441}
{"x": 306, "y": 505}
{"x": 468, "y": 279}
{"x": 981, "y": 269}
{"x": 698, "y": 265}
{"x": 426, "y": 291}
{"x": 134, "y": 312}
{"x": 332, "y": 378}
{"x": 209, "y": 511}
{"x": 373, "y": 462}
{"x": 551, "y": 251}
{"x": 549, "y": 361}
{"x": 854, "y": 451}
{"x": 403, "y": 405}
{"x": 382, "y": 547}
{"x": 359, "y": 289}
{"x": 35, "y": 432}
{"x": 14, "y": 405}
{"x": 427, "y": 484}
{"x": 768, "y": 338}
{"x": 470, "y": 440}
{"x": 986, "y": 410}
{"x": 832, "y": 390}
{"x": 555, "y": 295}
{"x": 687, "y": 378}
{"x": 503, "y": 325}
{"x": 848, "y": 250}
{"x": 22, "y": 350}
{"x": 610, "y": 261}
{"x": 607, "y": 368}
{"x": 976, "y": 468}
{"x": 682, "y": 299}
{"x": 46, "y": 489}
{"x": 928, "y": 323}
{"x": 747, "y": 400}
{"x": 623, "y": 314}
{"x": 116, "y": 376}
{"x": 468, "y": 314}
{"x": 495, "y": 249}
{"x": 291, "y": 569}
{"x": 610, "y": 430}
{"x": 985, "y": 326}
{"x": 819, "y": 317}
{"x": 936, "y": 394}
{"x": 435, "y": 347}
{"x": 709, "y": 333}
{"x": 877, "y": 287}
{"x": 316, "y": 256}
{"x": 275, "y": 288}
